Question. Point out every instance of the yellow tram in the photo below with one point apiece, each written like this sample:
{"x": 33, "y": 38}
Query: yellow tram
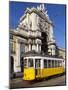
{"x": 37, "y": 67}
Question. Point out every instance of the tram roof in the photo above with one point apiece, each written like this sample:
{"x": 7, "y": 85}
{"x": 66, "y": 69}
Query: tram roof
{"x": 34, "y": 53}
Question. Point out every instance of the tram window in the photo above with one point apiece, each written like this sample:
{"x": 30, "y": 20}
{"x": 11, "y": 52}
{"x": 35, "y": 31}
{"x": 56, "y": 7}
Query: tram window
{"x": 60, "y": 63}
{"x": 45, "y": 63}
{"x": 30, "y": 62}
{"x": 37, "y": 63}
{"x": 25, "y": 62}
{"x": 49, "y": 63}
{"x": 55, "y": 63}
{"x": 52, "y": 63}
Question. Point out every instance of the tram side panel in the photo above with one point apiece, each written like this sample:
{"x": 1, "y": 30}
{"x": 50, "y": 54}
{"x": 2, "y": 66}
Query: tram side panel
{"x": 51, "y": 71}
{"x": 33, "y": 69}
{"x": 29, "y": 71}
{"x": 29, "y": 74}
{"x": 52, "y": 67}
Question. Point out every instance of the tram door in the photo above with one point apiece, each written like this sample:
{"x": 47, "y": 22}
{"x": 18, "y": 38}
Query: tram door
{"x": 37, "y": 67}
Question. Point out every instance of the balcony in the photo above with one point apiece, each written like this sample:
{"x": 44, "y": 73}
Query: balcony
{"x": 34, "y": 34}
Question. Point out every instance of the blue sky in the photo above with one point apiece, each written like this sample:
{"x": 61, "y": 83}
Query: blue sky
{"x": 56, "y": 13}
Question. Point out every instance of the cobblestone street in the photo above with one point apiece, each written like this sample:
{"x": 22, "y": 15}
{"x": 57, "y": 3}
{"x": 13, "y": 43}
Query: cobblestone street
{"x": 19, "y": 83}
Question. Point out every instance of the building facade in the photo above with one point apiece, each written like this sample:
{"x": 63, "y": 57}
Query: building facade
{"x": 34, "y": 33}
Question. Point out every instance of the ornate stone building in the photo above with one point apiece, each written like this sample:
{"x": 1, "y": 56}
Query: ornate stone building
{"x": 34, "y": 33}
{"x": 62, "y": 52}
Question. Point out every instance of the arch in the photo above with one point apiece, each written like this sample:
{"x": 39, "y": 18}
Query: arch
{"x": 11, "y": 64}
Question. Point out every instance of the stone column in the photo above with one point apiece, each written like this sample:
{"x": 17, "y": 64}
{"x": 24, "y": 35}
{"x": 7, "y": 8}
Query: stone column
{"x": 34, "y": 21}
{"x": 17, "y": 60}
{"x": 26, "y": 48}
{"x": 40, "y": 48}
{"x": 51, "y": 43}
{"x": 28, "y": 20}
{"x": 53, "y": 50}
{"x": 29, "y": 47}
{"x": 51, "y": 33}
{"x": 33, "y": 47}
{"x": 37, "y": 47}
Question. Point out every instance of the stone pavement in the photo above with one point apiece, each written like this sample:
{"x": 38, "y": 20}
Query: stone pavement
{"x": 20, "y": 83}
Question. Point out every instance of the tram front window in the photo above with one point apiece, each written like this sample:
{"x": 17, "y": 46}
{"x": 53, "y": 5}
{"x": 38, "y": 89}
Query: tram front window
{"x": 25, "y": 62}
{"x": 60, "y": 63}
{"x": 30, "y": 62}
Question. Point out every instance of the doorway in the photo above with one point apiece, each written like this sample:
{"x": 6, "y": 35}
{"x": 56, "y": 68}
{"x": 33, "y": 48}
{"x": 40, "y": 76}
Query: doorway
{"x": 22, "y": 64}
{"x": 11, "y": 64}
{"x": 37, "y": 67}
